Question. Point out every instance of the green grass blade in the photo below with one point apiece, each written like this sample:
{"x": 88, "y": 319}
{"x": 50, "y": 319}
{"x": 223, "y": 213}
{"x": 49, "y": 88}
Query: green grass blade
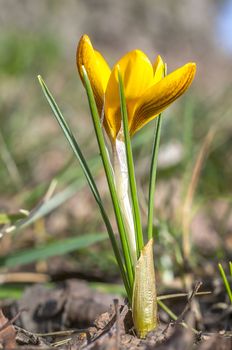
{"x": 130, "y": 165}
{"x": 71, "y": 139}
{"x": 11, "y": 292}
{"x": 153, "y": 171}
{"x": 76, "y": 150}
{"x": 171, "y": 314}
{"x": 60, "y": 247}
{"x": 10, "y": 218}
{"x": 226, "y": 282}
{"x": 110, "y": 178}
{"x": 152, "y": 179}
{"x": 43, "y": 208}
{"x": 230, "y": 266}
{"x": 109, "y": 288}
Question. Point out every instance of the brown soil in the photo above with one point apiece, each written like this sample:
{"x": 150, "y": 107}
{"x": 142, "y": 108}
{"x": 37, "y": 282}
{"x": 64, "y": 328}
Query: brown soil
{"x": 71, "y": 315}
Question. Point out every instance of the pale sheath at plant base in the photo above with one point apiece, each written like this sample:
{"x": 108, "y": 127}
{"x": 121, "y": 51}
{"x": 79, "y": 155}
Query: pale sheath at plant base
{"x": 128, "y": 97}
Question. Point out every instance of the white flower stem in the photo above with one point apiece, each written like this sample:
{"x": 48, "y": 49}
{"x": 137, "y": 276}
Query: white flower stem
{"x": 122, "y": 188}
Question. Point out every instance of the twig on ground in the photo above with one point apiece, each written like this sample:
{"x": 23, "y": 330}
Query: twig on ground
{"x": 10, "y": 322}
{"x": 117, "y": 322}
{"x": 190, "y": 298}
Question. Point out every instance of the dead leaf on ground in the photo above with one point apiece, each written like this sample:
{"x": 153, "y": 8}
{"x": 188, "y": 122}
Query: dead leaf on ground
{"x": 7, "y": 333}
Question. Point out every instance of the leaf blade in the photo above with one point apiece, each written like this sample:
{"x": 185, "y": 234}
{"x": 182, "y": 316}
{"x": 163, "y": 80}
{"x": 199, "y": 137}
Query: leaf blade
{"x": 110, "y": 179}
{"x": 130, "y": 165}
{"x": 61, "y": 247}
{"x": 77, "y": 151}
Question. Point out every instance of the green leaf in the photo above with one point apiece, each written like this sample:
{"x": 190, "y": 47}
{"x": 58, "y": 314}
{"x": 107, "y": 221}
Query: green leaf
{"x": 225, "y": 281}
{"x": 19, "y": 221}
{"x": 11, "y": 292}
{"x": 10, "y": 218}
{"x": 130, "y": 166}
{"x": 76, "y": 150}
{"x": 153, "y": 171}
{"x": 109, "y": 288}
{"x": 60, "y": 247}
{"x": 110, "y": 180}
{"x": 152, "y": 178}
{"x": 42, "y": 209}
{"x": 175, "y": 317}
{"x": 71, "y": 139}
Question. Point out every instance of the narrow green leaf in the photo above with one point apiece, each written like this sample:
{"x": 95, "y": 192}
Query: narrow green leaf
{"x": 226, "y": 282}
{"x": 10, "y": 218}
{"x": 109, "y": 288}
{"x": 70, "y": 137}
{"x": 19, "y": 221}
{"x": 152, "y": 178}
{"x": 11, "y": 292}
{"x": 76, "y": 150}
{"x": 175, "y": 317}
{"x": 153, "y": 171}
{"x": 131, "y": 171}
{"x": 44, "y": 208}
{"x": 110, "y": 179}
{"x": 60, "y": 247}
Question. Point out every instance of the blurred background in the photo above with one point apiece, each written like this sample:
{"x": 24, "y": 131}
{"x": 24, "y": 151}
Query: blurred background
{"x": 61, "y": 237}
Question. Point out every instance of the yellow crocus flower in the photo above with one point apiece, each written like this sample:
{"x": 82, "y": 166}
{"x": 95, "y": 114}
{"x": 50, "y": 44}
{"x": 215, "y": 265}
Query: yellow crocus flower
{"x": 147, "y": 92}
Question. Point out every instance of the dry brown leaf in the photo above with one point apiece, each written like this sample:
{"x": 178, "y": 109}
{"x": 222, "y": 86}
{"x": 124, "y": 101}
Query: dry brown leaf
{"x": 7, "y": 333}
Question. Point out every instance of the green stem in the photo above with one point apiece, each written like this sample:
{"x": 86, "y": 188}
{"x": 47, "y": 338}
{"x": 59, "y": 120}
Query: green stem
{"x": 130, "y": 166}
{"x": 110, "y": 180}
{"x": 153, "y": 171}
{"x": 152, "y": 180}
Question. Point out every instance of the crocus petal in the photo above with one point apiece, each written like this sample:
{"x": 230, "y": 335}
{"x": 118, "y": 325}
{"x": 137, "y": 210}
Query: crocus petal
{"x": 161, "y": 95}
{"x": 158, "y": 69}
{"x": 104, "y": 69}
{"x": 96, "y": 67}
{"x": 137, "y": 76}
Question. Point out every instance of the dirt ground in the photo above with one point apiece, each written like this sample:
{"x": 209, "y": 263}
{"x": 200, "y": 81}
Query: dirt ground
{"x": 71, "y": 315}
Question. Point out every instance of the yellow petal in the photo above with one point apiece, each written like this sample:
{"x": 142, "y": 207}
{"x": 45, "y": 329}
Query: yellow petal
{"x": 103, "y": 69}
{"x": 161, "y": 95}
{"x": 158, "y": 68}
{"x": 137, "y": 76}
{"x": 96, "y": 67}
